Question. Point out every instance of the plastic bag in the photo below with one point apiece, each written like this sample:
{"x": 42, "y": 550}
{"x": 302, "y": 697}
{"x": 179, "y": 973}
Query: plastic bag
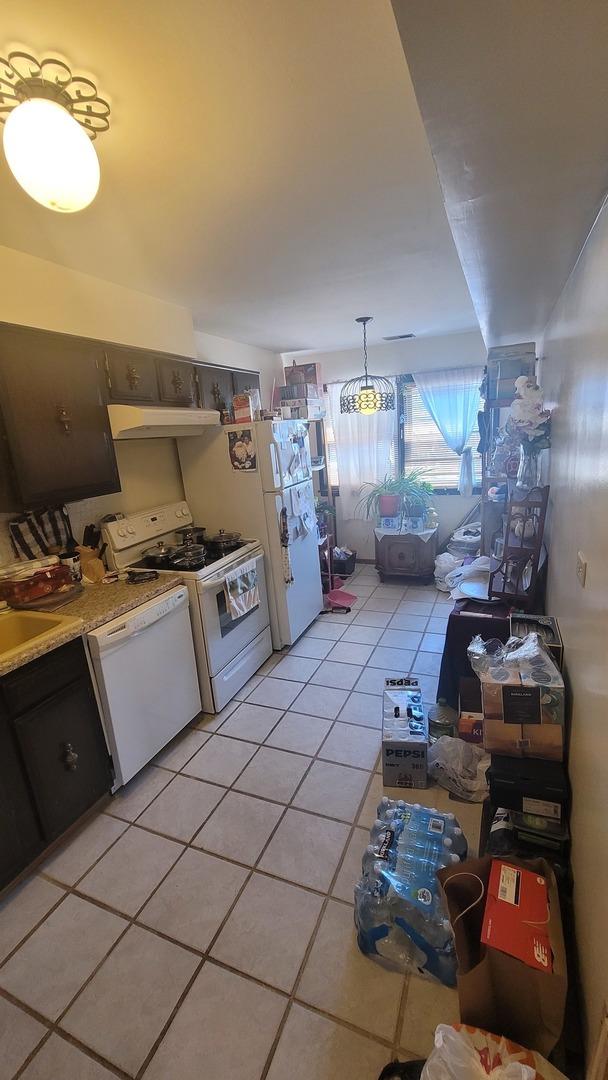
{"x": 456, "y": 1058}
{"x": 472, "y": 569}
{"x": 460, "y": 767}
{"x": 444, "y": 564}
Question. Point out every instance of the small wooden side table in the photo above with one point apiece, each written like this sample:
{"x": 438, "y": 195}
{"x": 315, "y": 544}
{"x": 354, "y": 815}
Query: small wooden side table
{"x": 406, "y": 554}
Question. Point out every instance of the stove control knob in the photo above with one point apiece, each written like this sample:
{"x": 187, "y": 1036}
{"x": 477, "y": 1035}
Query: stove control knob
{"x": 122, "y": 532}
{"x": 131, "y": 530}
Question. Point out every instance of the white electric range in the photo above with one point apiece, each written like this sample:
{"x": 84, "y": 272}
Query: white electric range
{"x": 228, "y": 651}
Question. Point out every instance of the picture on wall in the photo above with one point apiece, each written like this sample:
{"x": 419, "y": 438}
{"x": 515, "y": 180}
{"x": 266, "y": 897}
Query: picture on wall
{"x": 241, "y": 448}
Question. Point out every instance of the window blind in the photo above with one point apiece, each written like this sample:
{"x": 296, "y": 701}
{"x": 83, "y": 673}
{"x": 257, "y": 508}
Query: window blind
{"x": 422, "y": 445}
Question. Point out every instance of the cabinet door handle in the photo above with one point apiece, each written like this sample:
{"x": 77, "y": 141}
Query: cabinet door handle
{"x": 64, "y": 418}
{"x": 177, "y": 382}
{"x": 133, "y": 376}
{"x": 70, "y": 758}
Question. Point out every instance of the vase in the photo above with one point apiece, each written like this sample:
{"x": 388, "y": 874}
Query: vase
{"x": 528, "y": 474}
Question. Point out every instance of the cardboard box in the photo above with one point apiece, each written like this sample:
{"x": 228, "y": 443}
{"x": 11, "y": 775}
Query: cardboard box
{"x": 305, "y": 391}
{"x": 404, "y": 735}
{"x": 241, "y": 404}
{"x": 304, "y": 373}
{"x": 548, "y": 630}
{"x": 498, "y": 992}
{"x": 523, "y": 709}
{"x": 470, "y": 715}
{"x": 302, "y": 411}
{"x": 516, "y": 913}
{"x": 531, "y": 786}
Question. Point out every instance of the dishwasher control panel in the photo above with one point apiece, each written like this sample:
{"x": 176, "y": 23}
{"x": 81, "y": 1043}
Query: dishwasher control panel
{"x": 139, "y": 620}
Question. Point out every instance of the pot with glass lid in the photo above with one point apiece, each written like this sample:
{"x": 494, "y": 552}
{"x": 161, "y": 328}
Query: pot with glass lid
{"x": 159, "y": 554}
{"x": 224, "y": 542}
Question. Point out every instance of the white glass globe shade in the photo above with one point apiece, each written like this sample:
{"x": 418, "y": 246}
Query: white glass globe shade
{"x": 51, "y": 156}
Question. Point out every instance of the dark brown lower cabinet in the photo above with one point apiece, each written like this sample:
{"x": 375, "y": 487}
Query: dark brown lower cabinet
{"x": 20, "y": 834}
{"x": 54, "y": 763}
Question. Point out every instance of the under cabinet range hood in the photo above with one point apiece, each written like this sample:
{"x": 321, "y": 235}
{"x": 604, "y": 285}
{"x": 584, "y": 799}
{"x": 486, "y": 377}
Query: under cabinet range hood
{"x": 156, "y": 422}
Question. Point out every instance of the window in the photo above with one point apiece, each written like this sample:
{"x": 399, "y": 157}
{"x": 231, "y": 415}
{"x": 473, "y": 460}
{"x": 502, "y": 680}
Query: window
{"x": 332, "y": 458}
{"x": 422, "y": 446}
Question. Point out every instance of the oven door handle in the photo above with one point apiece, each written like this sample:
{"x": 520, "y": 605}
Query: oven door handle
{"x": 212, "y": 583}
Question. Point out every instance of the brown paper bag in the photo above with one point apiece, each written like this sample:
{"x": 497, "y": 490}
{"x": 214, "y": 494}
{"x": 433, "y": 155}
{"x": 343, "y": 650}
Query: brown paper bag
{"x": 498, "y": 992}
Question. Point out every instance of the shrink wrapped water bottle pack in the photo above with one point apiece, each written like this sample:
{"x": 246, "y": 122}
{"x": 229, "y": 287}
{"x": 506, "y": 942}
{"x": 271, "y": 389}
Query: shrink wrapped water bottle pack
{"x": 400, "y": 914}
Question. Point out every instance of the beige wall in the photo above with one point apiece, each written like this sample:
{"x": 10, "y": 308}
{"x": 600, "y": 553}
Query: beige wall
{"x": 399, "y": 357}
{"x": 235, "y": 354}
{"x": 38, "y": 293}
{"x": 574, "y": 374}
{"x": 396, "y": 358}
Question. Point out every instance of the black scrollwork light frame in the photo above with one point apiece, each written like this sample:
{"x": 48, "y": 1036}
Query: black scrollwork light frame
{"x": 23, "y": 77}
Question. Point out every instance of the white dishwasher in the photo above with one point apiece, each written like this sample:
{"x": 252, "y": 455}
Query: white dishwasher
{"x": 146, "y": 678}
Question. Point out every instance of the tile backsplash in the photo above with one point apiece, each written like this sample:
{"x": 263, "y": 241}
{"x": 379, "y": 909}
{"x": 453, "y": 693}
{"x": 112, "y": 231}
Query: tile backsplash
{"x": 149, "y": 475}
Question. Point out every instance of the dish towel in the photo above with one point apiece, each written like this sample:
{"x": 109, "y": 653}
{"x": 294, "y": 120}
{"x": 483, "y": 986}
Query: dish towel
{"x": 285, "y": 556}
{"x": 241, "y": 589}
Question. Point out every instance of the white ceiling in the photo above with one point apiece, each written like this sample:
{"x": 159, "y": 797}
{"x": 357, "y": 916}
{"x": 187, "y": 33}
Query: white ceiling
{"x": 514, "y": 96}
{"x": 266, "y": 166}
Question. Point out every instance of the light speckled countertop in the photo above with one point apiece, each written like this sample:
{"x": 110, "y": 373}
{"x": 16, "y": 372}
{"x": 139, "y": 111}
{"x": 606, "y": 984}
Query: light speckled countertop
{"x": 98, "y": 604}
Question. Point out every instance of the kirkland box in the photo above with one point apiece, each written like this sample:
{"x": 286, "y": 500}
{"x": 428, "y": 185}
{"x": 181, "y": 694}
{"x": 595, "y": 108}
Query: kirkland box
{"x": 522, "y": 695}
{"x": 530, "y": 786}
{"x": 404, "y": 735}
{"x": 498, "y": 991}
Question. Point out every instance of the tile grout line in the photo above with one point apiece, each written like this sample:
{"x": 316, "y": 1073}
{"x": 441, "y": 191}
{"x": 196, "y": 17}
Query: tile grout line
{"x": 134, "y": 920}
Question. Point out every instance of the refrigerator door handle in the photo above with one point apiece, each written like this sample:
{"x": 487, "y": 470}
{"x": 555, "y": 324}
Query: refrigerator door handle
{"x": 274, "y": 462}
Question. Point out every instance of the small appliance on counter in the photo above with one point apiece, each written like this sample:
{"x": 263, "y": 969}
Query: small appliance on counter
{"x": 229, "y": 649}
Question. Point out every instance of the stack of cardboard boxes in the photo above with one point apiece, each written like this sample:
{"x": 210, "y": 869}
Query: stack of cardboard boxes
{"x": 301, "y": 398}
{"x": 523, "y": 712}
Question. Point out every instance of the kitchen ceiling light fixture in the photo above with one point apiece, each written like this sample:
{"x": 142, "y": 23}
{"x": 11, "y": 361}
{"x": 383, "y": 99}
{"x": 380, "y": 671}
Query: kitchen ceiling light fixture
{"x": 51, "y": 118}
{"x": 371, "y": 393}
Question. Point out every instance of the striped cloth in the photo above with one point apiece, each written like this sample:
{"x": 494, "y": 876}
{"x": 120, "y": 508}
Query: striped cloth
{"x": 36, "y": 531}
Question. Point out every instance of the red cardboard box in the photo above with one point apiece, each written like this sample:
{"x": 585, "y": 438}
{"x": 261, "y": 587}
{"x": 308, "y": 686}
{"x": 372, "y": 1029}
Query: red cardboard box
{"x": 517, "y": 915}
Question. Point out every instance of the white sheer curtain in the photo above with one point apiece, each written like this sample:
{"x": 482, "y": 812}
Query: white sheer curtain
{"x": 451, "y": 397}
{"x": 365, "y": 448}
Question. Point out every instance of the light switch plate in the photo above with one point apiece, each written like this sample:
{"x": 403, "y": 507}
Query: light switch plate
{"x": 581, "y": 568}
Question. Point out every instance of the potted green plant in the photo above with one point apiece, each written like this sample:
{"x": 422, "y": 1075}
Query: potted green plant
{"x": 382, "y": 500}
{"x": 408, "y": 495}
{"x": 415, "y": 493}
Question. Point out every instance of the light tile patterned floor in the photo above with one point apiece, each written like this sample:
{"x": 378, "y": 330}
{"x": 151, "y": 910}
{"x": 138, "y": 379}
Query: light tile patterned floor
{"x": 202, "y": 925}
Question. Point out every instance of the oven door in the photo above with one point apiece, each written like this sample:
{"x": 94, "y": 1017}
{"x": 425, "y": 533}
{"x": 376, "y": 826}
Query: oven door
{"x": 225, "y": 637}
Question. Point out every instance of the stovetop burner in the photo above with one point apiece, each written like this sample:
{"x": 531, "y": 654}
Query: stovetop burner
{"x": 179, "y": 561}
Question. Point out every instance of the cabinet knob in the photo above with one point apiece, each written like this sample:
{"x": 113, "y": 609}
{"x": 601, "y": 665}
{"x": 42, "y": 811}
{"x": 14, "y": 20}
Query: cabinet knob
{"x": 70, "y": 758}
{"x": 177, "y": 382}
{"x": 133, "y": 376}
{"x": 64, "y": 418}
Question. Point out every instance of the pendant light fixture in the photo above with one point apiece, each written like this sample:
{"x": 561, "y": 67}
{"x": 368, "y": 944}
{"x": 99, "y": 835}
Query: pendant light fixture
{"x": 51, "y": 118}
{"x": 371, "y": 393}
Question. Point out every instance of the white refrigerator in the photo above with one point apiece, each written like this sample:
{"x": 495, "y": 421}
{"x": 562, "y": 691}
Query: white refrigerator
{"x": 241, "y": 477}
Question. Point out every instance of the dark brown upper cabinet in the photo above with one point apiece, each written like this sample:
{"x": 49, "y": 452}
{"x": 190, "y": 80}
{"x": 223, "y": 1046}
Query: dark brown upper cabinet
{"x": 55, "y": 418}
{"x": 218, "y": 385}
{"x": 130, "y": 375}
{"x": 177, "y": 381}
{"x": 245, "y": 380}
